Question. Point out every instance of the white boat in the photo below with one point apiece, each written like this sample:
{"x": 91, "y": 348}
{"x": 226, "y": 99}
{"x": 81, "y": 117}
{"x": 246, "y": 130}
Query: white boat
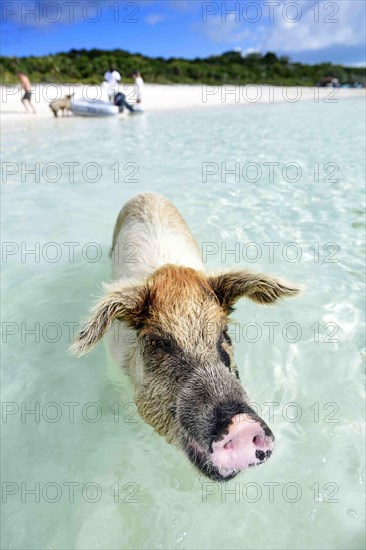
{"x": 93, "y": 108}
{"x": 137, "y": 109}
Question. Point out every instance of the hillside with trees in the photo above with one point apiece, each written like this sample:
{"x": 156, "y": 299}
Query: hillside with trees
{"x": 88, "y": 66}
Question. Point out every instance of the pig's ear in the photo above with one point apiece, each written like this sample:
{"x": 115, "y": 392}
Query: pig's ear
{"x": 125, "y": 303}
{"x": 259, "y": 287}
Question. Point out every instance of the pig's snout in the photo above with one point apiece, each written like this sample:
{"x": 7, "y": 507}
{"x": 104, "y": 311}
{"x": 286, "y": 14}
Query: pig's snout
{"x": 247, "y": 441}
{"x": 222, "y": 434}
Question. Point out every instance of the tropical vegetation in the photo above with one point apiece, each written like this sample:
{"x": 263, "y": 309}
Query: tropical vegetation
{"x": 88, "y": 66}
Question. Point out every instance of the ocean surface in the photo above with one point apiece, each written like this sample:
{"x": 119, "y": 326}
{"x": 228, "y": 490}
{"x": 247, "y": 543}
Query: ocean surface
{"x": 276, "y": 188}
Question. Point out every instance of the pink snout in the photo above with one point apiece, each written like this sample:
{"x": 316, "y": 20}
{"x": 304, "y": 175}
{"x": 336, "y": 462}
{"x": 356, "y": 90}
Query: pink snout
{"x": 245, "y": 445}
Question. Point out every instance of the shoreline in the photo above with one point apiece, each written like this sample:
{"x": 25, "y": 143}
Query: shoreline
{"x": 159, "y": 97}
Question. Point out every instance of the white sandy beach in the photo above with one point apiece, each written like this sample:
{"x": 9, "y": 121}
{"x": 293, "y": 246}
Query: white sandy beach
{"x": 167, "y": 97}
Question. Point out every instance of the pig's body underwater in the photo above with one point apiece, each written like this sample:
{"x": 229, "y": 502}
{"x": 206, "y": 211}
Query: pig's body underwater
{"x": 171, "y": 321}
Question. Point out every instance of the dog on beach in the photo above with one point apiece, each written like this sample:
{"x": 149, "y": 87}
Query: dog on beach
{"x": 62, "y": 104}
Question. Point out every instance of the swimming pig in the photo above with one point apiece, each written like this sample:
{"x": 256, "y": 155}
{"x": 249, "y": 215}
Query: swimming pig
{"x": 171, "y": 320}
{"x": 62, "y": 104}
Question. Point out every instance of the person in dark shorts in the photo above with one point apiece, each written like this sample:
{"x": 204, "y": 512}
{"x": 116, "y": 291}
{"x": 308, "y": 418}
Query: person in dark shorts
{"x": 26, "y": 85}
{"x": 120, "y": 101}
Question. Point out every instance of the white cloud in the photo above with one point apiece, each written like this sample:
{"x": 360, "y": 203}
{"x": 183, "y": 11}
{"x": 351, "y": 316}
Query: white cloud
{"x": 154, "y": 18}
{"x": 344, "y": 26}
{"x": 229, "y": 31}
{"x": 358, "y": 65}
{"x": 184, "y": 5}
{"x": 340, "y": 22}
{"x": 248, "y": 51}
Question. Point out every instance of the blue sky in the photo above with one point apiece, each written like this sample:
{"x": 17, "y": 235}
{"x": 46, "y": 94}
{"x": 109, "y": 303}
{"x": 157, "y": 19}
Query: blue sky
{"x": 306, "y": 30}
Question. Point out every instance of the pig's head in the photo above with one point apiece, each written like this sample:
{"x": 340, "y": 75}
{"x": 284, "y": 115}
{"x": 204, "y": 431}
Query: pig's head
{"x": 186, "y": 382}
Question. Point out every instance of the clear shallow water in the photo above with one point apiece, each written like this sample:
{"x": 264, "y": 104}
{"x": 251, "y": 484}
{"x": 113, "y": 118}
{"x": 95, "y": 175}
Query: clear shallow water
{"x": 162, "y": 502}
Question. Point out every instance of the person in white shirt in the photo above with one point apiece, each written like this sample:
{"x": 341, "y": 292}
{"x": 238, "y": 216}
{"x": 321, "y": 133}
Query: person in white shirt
{"x": 139, "y": 86}
{"x": 112, "y": 77}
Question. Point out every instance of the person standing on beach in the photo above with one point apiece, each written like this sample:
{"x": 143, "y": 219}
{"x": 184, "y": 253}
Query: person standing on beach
{"x": 139, "y": 84}
{"x": 112, "y": 77}
{"x": 26, "y": 85}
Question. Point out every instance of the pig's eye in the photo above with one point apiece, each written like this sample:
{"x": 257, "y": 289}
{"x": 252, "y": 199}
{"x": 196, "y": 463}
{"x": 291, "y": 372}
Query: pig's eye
{"x": 224, "y": 356}
{"x": 226, "y": 337}
{"x": 159, "y": 344}
{"x": 153, "y": 343}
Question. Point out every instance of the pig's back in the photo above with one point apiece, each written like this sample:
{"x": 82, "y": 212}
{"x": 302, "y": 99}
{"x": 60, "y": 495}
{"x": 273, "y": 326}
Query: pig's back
{"x": 149, "y": 233}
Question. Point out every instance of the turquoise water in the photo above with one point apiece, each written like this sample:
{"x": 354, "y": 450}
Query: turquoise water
{"x": 311, "y": 493}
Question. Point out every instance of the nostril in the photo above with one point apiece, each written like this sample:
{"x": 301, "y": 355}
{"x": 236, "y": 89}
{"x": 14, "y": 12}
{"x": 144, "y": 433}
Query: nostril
{"x": 229, "y": 446}
{"x": 259, "y": 441}
{"x": 261, "y": 455}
